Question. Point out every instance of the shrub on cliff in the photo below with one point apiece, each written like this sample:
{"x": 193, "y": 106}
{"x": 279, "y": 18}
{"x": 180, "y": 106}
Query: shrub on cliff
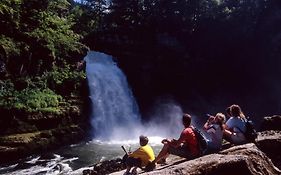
{"x": 29, "y": 99}
{"x": 41, "y": 93}
{"x": 64, "y": 80}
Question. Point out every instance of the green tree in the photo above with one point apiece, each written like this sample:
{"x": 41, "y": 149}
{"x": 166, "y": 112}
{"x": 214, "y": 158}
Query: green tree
{"x": 126, "y": 14}
{"x": 38, "y": 47}
{"x": 88, "y": 16}
{"x": 37, "y": 35}
{"x": 53, "y": 36}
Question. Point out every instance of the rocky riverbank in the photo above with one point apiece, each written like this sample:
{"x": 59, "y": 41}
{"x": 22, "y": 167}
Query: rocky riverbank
{"x": 263, "y": 157}
{"x": 23, "y": 133}
{"x": 16, "y": 146}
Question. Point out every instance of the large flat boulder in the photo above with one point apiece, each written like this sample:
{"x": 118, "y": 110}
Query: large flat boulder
{"x": 269, "y": 142}
{"x": 244, "y": 159}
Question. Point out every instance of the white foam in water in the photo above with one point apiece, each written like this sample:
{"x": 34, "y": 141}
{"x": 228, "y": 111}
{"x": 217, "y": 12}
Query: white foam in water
{"x": 61, "y": 168}
{"x": 153, "y": 140}
{"x": 55, "y": 166}
{"x": 6, "y": 168}
{"x": 34, "y": 160}
{"x": 113, "y": 142}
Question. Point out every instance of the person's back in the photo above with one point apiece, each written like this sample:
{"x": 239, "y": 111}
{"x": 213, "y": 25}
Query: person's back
{"x": 235, "y": 126}
{"x": 214, "y": 127}
{"x": 216, "y": 134}
{"x": 142, "y": 157}
{"x": 186, "y": 146}
{"x": 189, "y": 139}
{"x": 145, "y": 153}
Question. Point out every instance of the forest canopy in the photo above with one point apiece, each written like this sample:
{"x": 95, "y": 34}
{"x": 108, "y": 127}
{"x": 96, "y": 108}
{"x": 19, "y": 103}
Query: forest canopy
{"x": 41, "y": 42}
{"x": 39, "y": 49}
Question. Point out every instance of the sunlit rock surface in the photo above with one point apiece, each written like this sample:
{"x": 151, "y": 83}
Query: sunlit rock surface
{"x": 271, "y": 123}
{"x": 243, "y": 159}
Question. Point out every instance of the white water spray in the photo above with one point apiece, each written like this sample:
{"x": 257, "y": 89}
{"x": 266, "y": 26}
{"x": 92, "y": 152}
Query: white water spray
{"x": 166, "y": 119}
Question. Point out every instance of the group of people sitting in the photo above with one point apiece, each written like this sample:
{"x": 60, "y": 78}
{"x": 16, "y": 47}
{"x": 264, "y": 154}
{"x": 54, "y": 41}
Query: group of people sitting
{"x": 187, "y": 146}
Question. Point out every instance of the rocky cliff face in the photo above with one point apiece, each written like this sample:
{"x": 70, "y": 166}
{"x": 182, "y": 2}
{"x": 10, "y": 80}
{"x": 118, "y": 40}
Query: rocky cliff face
{"x": 13, "y": 147}
{"x": 271, "y": 123}
{"x": 269, "y": 142}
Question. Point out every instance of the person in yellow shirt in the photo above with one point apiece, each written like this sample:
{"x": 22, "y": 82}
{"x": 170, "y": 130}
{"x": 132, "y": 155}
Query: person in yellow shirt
{"x": 142, "y": 157}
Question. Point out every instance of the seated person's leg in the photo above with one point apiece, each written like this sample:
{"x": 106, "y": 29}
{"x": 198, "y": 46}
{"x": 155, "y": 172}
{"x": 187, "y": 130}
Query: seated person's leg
{"x": 163, "y": 153}
{"x": 211, "y": 148}
{"x": 134, "y": 171}
{"x": 150, "y": 166}
{"x": 181, "y": 151}
{"x": 237, "y": 138}
{"x": 227, "y": 135}
{"x": 132, "y": 162}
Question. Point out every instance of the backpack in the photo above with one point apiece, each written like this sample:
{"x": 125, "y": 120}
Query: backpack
{"x": 250, "y": 133}
{"x": 201, "y": 140}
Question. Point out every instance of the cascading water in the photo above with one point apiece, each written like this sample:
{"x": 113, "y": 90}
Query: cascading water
{"x": 114, "y": 109}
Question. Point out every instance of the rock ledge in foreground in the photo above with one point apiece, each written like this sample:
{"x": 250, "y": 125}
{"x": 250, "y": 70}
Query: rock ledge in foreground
{"x": 244, "y": 159}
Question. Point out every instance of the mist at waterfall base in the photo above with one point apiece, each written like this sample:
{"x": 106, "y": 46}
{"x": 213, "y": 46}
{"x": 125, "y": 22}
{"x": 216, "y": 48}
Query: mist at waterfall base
{"x": 115, "y": 116}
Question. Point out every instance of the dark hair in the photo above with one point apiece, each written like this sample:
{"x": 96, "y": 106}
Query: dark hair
{"x": 143, "y": 140}
{"x": 228, "y": 111}
{"x": 186, "y": 119}
{"x": 236, "y": 111}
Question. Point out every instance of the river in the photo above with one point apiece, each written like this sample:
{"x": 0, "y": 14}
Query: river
{"x": 70, "y": 158}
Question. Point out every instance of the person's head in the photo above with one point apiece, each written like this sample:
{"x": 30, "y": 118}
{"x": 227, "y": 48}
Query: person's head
{"x": 143, "y": 140}
{"x": 236, "y": 111}
{"x": 220, "y": 118}
{"x": 228, "y": 111}
{"x": 186, "y": 120}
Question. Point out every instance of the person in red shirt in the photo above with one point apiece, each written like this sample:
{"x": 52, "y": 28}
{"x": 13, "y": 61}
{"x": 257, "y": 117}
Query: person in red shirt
{"x": 186, "y": 146}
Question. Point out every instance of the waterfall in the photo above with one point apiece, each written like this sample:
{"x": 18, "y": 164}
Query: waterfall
{"x": 115, "y": 112}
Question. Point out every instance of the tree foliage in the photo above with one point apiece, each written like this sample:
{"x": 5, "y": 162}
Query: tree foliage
{"x": 45, "y": 93}
{"x": 38, "y": 33}
{"x": 88, "y": 16}
{"x": 39, "y": 49}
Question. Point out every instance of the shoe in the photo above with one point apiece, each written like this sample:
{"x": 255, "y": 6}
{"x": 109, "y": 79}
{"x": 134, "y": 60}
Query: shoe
{"x": 127, "y": 173}
{"x": 134, "y": 172}
{"x": 150, "y": 166}
{"x": 162, "y": 162}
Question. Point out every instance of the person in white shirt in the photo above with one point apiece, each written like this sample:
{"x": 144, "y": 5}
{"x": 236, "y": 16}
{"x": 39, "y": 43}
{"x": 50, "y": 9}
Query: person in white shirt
{"x": 215, "y": 128}
{"x": 235, "y": 126}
